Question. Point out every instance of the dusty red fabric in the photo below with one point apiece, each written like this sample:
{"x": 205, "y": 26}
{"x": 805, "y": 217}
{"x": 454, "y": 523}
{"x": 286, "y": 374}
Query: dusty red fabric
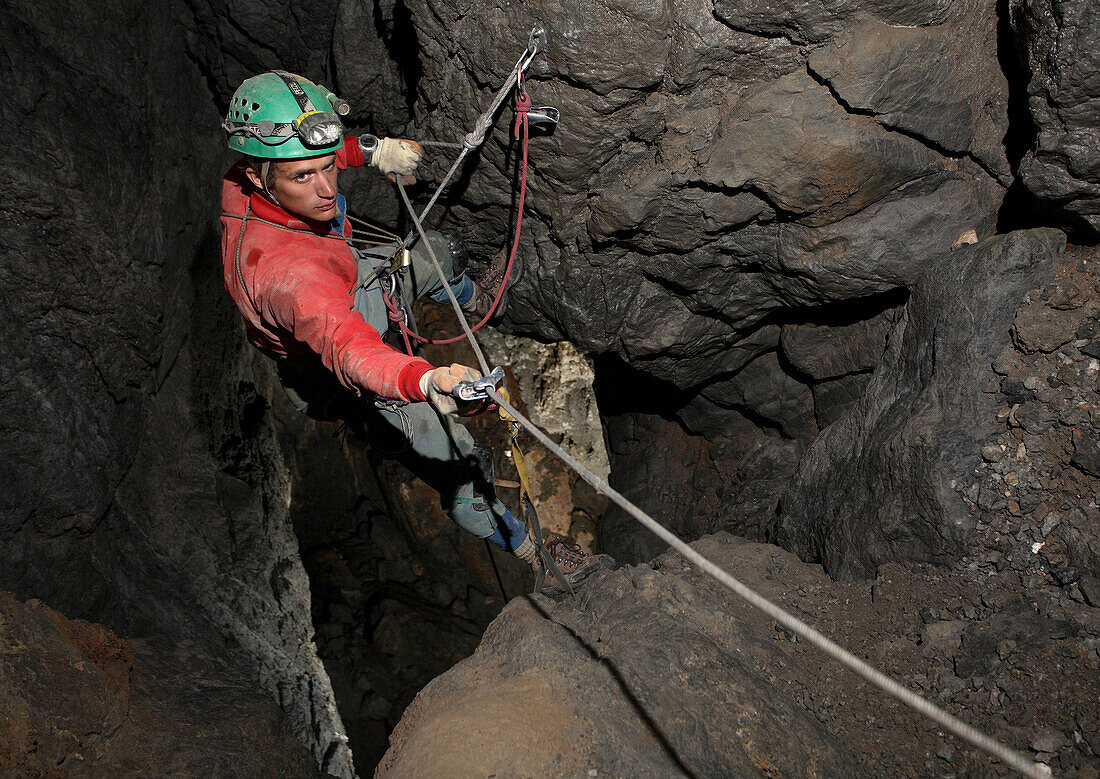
{"x": 296, "y": 297}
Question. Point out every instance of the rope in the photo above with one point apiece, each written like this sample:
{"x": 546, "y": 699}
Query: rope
{"x": 857, "y": 665}
{"x": 861, "y": 668}
{"x": 521, "y": 132}
{"x": 476, "y": 137}
{"x": 447, "y": 287}
{"x": 444, "y": 144}
{"x": 363, "y": 224}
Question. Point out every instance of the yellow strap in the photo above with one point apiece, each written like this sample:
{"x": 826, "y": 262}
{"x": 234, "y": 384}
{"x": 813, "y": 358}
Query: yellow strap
{"x": 518, "y": 459}
{"x": 503, "y": 392}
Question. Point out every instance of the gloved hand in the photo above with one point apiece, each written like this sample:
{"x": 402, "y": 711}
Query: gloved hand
{"x": 437, "y": 385}
{"x": 397, "y": 158}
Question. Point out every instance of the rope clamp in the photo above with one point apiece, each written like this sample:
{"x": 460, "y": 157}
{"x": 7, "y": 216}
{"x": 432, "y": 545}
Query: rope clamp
{"x": 476, "y": 390}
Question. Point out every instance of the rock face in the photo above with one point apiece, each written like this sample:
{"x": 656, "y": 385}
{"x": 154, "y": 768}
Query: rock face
{"x": 656, "y": 671}
{"x": 1060, "y": 42}
{"x": 715, "y": 172}
{"x": 586, "y": 685}
{"x": 77, "y": 700}
{"x": 144, "y": 486}
{"x": 731, "y": 176}
{"x": 875, "y": 485}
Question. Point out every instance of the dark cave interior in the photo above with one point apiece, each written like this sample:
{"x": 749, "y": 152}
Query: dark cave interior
{"x": 793, "y": 276}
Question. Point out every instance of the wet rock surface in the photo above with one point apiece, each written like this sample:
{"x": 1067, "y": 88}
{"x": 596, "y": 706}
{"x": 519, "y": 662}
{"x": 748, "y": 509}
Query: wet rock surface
{"x": 79, "y": 701}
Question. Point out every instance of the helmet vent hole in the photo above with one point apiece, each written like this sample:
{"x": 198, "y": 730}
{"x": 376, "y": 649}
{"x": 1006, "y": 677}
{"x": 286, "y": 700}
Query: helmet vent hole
{"x": 245, "y": 117}
{"x": 255, "y": 106}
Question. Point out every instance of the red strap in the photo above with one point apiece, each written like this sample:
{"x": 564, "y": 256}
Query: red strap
{"x": 523, "y": 105}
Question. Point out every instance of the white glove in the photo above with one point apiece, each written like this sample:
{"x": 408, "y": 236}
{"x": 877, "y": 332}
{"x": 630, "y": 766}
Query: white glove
{"x": 396, "y": 156}
{"x": 437, "y": 386}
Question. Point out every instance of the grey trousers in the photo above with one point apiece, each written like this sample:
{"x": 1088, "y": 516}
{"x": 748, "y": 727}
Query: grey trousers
{"x": 438, "y": 449}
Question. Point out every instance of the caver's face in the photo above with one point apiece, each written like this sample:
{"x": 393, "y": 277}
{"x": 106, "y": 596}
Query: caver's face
{"x": 305, "y": 188}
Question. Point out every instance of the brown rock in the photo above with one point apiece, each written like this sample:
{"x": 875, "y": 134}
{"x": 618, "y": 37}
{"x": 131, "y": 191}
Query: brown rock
{"x": 1040, "y": 328}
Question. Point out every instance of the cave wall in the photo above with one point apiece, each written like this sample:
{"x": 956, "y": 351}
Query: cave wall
{"x": 739, "y": 215}
{"x": 1058, "y": 43}
{"x": 144, "y": 487}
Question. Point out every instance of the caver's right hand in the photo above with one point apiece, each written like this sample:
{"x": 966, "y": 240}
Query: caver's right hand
{"x": 437, "y": 385}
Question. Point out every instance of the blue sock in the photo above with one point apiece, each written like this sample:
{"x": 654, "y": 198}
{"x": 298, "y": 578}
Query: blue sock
{"x": 510, "y": 532}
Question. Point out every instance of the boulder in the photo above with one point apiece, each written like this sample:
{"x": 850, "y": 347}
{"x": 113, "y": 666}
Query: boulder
{"x": 647, "y": 673}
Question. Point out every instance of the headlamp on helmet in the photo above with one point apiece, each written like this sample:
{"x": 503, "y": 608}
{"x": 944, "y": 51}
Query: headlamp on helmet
{"x": 318, "y": 128}
{"x": 278, "y": 115}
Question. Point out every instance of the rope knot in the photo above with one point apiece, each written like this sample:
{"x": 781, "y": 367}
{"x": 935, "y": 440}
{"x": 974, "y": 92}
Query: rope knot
{"x": 523, "y": 107}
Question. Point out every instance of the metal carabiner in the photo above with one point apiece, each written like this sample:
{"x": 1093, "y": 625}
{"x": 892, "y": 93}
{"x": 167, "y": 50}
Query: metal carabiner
{"x": 534, "y": 46}
{"x": 475, "y": 390}
{"x": 543, "y": 114}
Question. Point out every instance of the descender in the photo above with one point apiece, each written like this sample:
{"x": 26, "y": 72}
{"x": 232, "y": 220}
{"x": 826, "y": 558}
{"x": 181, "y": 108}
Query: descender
{"x": 476, "y": 390}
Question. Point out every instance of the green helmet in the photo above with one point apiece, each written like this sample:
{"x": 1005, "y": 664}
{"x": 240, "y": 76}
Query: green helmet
{"x": 280, "y": 116}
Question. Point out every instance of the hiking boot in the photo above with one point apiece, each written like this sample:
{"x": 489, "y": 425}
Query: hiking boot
{"x": 487, "y": 284}
{"x": 575, "y": 564}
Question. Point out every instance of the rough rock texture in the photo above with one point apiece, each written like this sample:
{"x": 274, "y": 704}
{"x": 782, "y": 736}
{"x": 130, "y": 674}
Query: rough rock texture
{"x": 143, "y": 486}
{"x": 1059, "y": 40}
{"x": 656, "y": 670}
{"x": 875, "y": 485}
{"x": 704, "y": 177}
{"x": 1036, "y": 492}
{"x": 76, "y": 700}
{"x": 586, "y": 686}
{"x": 713, "y": 186}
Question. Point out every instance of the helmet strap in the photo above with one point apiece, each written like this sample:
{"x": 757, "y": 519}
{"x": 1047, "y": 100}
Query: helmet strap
{"x": 265, "y": 170}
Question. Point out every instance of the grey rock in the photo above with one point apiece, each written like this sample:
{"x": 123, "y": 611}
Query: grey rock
{"x": 1090, "y": 589}
{"x": 1086, "y": 455}
{"x": 681, "y": 162}
{"x": 889, "y": 460}
{"x": 941, "y": 638}
{"x": 767, "y": 392}
{"x": 1061, "y": 43}
{"x": 1049, "y": 740}
{"x": 993, "y": 453}
{"x": 907, "y": 80}
{"x": 832, "y": 399}
{"x": 834, "y": 349}
{"x": 1018, "y": 627}
{"x": 1077, "y": 531}
{"x": 1040, "y": 328}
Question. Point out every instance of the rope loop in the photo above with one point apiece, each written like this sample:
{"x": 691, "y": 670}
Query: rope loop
{"x": 523, "y": 107}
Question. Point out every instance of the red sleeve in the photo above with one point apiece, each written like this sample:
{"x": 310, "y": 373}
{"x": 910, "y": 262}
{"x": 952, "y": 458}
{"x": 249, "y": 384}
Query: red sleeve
{"x": 350, "y": 155}
{"x": 308, "y": 298}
